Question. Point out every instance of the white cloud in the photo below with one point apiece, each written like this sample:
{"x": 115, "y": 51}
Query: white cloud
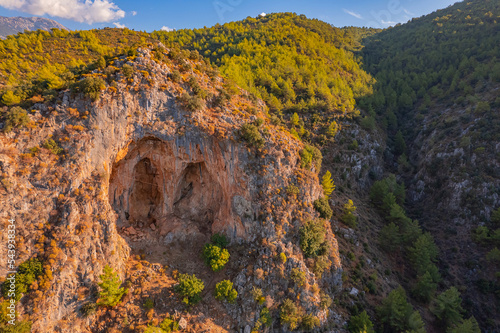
{"x": 119, "y": 25}
{"x": 356, "y": 15}
{"x": 165, "y": 28}
{"x": 77, "y": 10}
{"x": 134, "y": 13}
{"x": 262, "y": 14}
{"x": 389, "y": 22}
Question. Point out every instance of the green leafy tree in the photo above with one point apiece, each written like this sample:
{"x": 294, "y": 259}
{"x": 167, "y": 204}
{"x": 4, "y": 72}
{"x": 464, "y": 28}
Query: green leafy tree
{"x": 465, "y": 326}
{"x": 295, "y": 119}
{"x": 312, "y": 239}
{"x": 323, "y": 207}
{"x": 333, "y": 129}
{"x": 310, "y": 156}
{"x": 360, "y": 323}
{"x": 224, "y": 291}
{"x": 395, "y": 310}
{"x": 310, "y": 322}
{"x": 92, "y": 87}
{"x": 423, "y": 253}
{"x": 425, "y": 287}
{"x": 447, "y": 307}
{"x": 189, "y": 288}
{"x": 415, "y": 323}
{"x": 16, "y": 117}
{"x": 290, "y": 314}
{"x": 399, "y": 144}
{"x": 348, "y": 217}
{"x": 327, "y": 184}
{"x": 250, "y": 133}
{"x": 9, "y": 98}
{"x": 389, "y": 237}
{"x": 111, "y": 293}
{"x": 215, "y": 257}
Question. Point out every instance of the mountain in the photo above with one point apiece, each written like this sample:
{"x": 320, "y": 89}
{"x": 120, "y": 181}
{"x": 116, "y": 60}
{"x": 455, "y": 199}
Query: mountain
{"x": 13, "y": 25}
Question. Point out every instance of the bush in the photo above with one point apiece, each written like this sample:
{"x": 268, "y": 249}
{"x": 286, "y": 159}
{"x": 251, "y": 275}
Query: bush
{"x": 290, "y": 314}
{"x": 91, "y": 87}
{"x": 215, "y": 257}
{"x": 51, "y": 145}
{"x": 127, "y": 71}
{"x": 148, "y": 304}
{"x": 325, "y": 301}
{"x": 361, "y": 323}
{"x": 16, "y": 117}
{"x": 312, "y": 239}
{"x": 9, "y": 98}
{"x": 88, "y": 309}
{"x": 191, "y": 103}
{"x": 189, "y": 288}
{"x": 175, "y": 76}
{"x": 224, "y": 291}
{"x": 283, "y": 258}
{"x": 323, "y": 208}
{"x": 265, "y": 317}
{"x": 292, "y": 190}
{"x": 250, "y": 133}
{"x": 27, "y": 273}
{"x": 298, "y": 276}
{"x": 309, "y": 322}
{"x": 310, "y": 156}
{"x": 169, "y": 325}
{"x": 219, "y": 240}
{"x": 111, "y": 293}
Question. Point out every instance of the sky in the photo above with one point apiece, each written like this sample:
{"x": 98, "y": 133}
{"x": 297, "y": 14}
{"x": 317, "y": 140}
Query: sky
{"x": 150, "y": 15}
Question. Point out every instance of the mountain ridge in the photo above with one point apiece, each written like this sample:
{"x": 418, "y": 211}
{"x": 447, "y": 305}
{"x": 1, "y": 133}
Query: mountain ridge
{"x": 13, "y": 25}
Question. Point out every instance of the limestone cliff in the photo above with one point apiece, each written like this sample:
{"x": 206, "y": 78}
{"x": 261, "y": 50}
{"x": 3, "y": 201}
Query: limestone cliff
{"x": 141, "y": 185}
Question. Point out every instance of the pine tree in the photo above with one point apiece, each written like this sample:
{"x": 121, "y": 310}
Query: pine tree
{"x": 395, "y": 310}
{"x": 327, "y": 184}
{"x": 295, "y": 119}
{"x": 447, "y": 307}
{"x": 111, "y": 293}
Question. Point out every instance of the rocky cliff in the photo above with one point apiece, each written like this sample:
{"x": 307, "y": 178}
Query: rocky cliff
{"x": 141, "y": 184}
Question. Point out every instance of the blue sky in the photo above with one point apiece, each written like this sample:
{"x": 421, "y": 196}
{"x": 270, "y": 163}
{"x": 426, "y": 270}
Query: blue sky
{"x": 152, "y": 15}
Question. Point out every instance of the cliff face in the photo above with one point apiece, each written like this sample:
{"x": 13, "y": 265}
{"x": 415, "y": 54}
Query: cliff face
{"x": 141, "y": 175}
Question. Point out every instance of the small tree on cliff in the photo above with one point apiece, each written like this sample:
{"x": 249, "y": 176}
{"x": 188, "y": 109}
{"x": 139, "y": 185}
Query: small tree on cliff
{"x": 111, "y": 293}
{"x": 327, "y": 184}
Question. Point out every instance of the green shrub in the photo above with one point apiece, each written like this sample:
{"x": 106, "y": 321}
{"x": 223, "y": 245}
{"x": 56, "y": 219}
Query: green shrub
{"x": 298, "y": 276}
{"x": 9, "y": 98}
{"x": 148, "y": 304}
{"x": 169, "y": 325}
{"x": 224, "y": 291}
{"x": 191, "y": 103}
{"x": 250, "y": 133}
{"x": 361, "y": 323}
{"x": 111, "y": 293}
{"x": 27, "y": 273}
{"x": 88, "y": 309}
{"x": 322, "y": 206}
{"x": 310, "y": 156}
{"x": 222, "y": 98}
{"x": 312, "y": 239}
{"x": 91, "y": 87}
{"x": 265, "y": 317}
{"x": 447, "y": 307}
{"x": 175, "y": 76}
{"x": 354, "y": 145}
{"x": 16, "y": 117}
{"x": 283, "y": 258}
{"x": 290, "y": 314}
{"x": 51, "y": 145}
{"x": 219, "y": 240}
{"x": 325, "y": 300}
{"x": 310, "y": 322}
{"x": 292, "y": 190}
{"x": 215, "y": 257}
{"x": 189, "y": 288}
{"x": 127, "y": 71}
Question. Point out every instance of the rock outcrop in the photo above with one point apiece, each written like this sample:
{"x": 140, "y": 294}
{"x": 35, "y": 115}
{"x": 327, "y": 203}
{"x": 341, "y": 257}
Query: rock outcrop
{"x": 142, "y": 175}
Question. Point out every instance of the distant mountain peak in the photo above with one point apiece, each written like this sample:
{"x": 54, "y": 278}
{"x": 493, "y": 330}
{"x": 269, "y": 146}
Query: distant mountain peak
{"x": 13, "y": 25}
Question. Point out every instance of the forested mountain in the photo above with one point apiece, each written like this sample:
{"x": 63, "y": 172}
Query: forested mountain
{"x": 438, "y": 78}
{"x": 401, "y": 126}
